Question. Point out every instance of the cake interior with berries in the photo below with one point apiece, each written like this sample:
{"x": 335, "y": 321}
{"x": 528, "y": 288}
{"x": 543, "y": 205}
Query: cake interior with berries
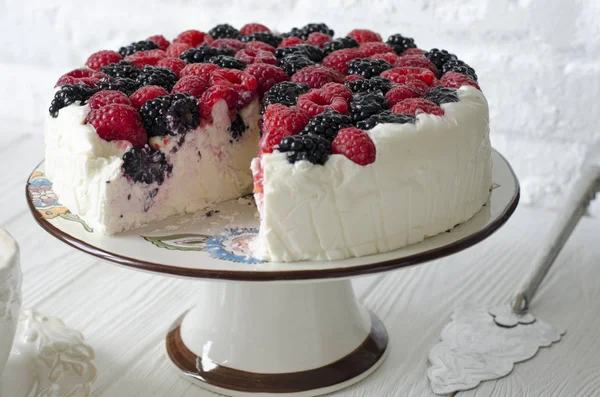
{"x": 351, "y": 145}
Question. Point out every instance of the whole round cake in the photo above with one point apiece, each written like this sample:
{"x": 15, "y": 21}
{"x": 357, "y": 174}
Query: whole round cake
{"x": 351, "y": 145}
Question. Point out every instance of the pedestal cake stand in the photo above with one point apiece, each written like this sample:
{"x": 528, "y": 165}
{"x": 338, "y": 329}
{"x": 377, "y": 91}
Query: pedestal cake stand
{"x": 265, "y": 328}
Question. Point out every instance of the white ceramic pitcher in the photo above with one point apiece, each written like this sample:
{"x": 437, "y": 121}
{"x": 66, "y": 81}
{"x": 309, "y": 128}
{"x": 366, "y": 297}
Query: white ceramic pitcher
{"x": 10, "y": 294}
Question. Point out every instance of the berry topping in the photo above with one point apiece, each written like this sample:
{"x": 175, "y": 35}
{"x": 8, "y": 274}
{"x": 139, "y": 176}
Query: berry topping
{"x": 103, "y": 98}
{"x": 204, "y": 53}
{"x": 144, "y": 94}
{"x": 143, "y": 45}
{"x": 374, "y": 84}
{"x": 224, "y": 31}
{"x": 265, "y": 37}
{"x": 441, "y": 94}
{"x": 228, "y": 62}
{"x": 102, "y": 58}
{"x": 259, "y": 45}
{"x": 367, "y": 67}
{"x": 327, "y": 124}
{"x": 232, "y": 44}
{"x": 457, "y": 80}
{"x": 280, "y": 121}
{"x": 365, "y": 105}
{"x": 290, "y": 41}
{"x": 160, "y": 40}
{"x": 68, "y": 95}
{"x": 155, "y": 75}
{"x": 356, "y": 145}
{"x": 122, "y": 69}
{"x": 400, "y": 43}
{"x": 243, "y": 83}
{"x": 386, "y": 117}
{"x": 214, "y": 95}
{"x": 170, "y": 115}
{"x": 145, "y": 165}
{"x": 364, "y": 36}
{"x": 118, "y": 122}
{"x": 416, "y": 61}
{"x": 399, "y": 93}
{"x": 318, "y": 39}
{"x": 415, "y": 106}
{"x": 294, "y": 62}
{"x": 250, "y": 28}
{"x": 313, "y": 53}
{"x": 375, "y": 47}
{"x": 399, "y": 75}
{"x": 317, "y": 76}
{"x": 458, "y": 66}
{"x": 175, "y": 64}
{"x": 251, "y": 56}
{"x": 338, "y": 60}
{"x": 337, "y": 89}
{"x": 439, "y": 57}
{"x": 317, "y": 101}
{"x": 309, "y": 147}
{"x": 193, "y": 37}
{"x": 340, "y": 44}
{"x": 266, "y": 76}
{"x": 353, "y": 77}
{"x": 198, "y": 69}
{"x": 176, "y": 49}
{"x": 128, "y": 86}
{"x": 193, "y": 85}
{"x": 143, "y": 58}
{"x": 285, "y": 93}
{"x": 80, "y": 76}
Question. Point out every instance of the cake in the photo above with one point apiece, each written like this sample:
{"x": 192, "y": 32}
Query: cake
{"x": 351, "y": 145}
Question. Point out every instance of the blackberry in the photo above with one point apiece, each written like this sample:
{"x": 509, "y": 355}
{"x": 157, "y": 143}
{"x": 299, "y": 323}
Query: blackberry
{"x": 458, "y": 66}
{"x": 170, "y": 115}
{"x": 441, "y": 95}
{"x": 374, "y": 84}
{"x": 340, "y": 44}
{"x": 365, "y": 105}
{"x": 237, "y": 128}
{"x": 312, "y": 52}
{"x": 439, "y": 57}
{"x": 310, "y": 147}
{"x": 294, "y": 62}
{"x": 385, "y": 118}
{"x": 122, "y": 69}
{"x": 285, "y": 93}
{"x": 265, "y": 37}
{"x": 145, "y": 165}
{"x": 224, "y": 31}
{"x": 306, "y": 30}
{"x": 157, "y": 75}
{"x": 128, "y": 86}
{"x": 69, "y": 94}
{"x": 225, "y": 61}
{"x": 203, "y": 53}
{"x": 327, "y": 124}
{"x": 143, "y": 45}
{"x": 367, "y": 67}
{"x": 400, "y": 43}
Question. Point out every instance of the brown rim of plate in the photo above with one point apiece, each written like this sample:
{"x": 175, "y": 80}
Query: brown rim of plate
{"x": 348, "y": 367}
{"x": 245, "y": 275}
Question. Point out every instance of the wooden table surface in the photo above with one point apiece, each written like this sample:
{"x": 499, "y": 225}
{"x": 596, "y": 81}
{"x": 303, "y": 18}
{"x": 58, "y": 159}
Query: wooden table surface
{"x": 124, "y": 314}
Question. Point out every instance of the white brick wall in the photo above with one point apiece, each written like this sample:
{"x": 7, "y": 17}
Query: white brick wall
{"x": 536, "y": 59}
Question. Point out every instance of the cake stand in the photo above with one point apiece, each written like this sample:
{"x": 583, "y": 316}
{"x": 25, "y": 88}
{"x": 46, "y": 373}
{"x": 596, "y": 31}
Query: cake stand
{"x": 265, "y": 328}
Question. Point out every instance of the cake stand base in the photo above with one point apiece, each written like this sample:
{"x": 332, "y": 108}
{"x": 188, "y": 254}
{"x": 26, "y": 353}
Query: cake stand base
{"x": 301, "y": 339}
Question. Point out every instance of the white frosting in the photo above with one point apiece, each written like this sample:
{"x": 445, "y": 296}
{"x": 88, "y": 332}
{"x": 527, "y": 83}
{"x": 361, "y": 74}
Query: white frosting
{"x": 427, "y": 178}
{"x": 87, "y": 175}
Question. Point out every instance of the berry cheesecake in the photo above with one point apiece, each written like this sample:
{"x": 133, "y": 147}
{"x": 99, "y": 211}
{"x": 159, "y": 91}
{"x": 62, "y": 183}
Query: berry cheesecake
{"x": 351, "y": 145}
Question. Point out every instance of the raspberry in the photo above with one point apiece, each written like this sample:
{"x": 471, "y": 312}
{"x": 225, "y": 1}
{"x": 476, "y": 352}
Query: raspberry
{"x": 316, "y": 76}
{"x": 338, "y": 60}
{"x": 389, "y": 57}
{"x": 339, "y": 44}
{"x": 366, "y": 104}
{"x": 103, "y": 98}
{"x": 232, "y": 44}
{"x": 364, "y": 36}
{"x": 385, "y": 117}
{"x": 413, "y": 51}
{"x": 265, "y": 37}
{"x": 398, "y": 75}
{"x": 259, "y": 45}
{"x": 415, "y": 106}
{"x": 176, "y": 49}
{"x": 457, "y": 80}
{"x": 367, "y": 67}
{"x": 155, "y": 75}
{"x": 146, "y": 58}
{"x": 145, "y": 94}
{"x": 353, "y": 77}
{"x": 285, "y": 93}
{"x": 102, "y": 58}
{"x": 68, "y": 95}
{"x": 118, "y": 122}
{"x": 250, "y": 28}
{"x": 416, "y": 85}
{"x": 327, "y": 124}
{"x": 309, "y": 147}
{"x": 193, "y": 85}
{"x": 170, "y": 115}
{"x": 266, "y": 76}
{"x": 193, "y": 37}
{"x": 227, "y": 62}
{"x": 318, "y": 39}
{"x": 260, "y": 56}
{"x": 280, "y": 121}
{"x": 399, "y": 93}
{"x": 441, "y": 94}
{"x": 198, "y": 69}
{"x": 290, "y": 41}
{"x": 85, "y": 76}
{"x": 316, "y": 102}
{"x": 356, "y": 145}
{"x": 175, "y": 64}
{"x": 244, "y": 84}
{"x": 224, "y": 31}
{"x": 375, "y": 47}
{"x": 400, "y": 43}
{"x": 160, "y": 40}
{"x": 416, "y": 61}
{"x": 337, "y": 89}
{"x": 215, "y": 94}
{"x": 146, "y": 165}
{"x": 374, "y": 84}
{"x": 143, "y": 45}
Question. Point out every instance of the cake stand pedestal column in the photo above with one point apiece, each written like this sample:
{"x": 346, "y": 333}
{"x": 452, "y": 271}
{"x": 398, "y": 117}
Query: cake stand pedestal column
{"x": 269, "y": 338}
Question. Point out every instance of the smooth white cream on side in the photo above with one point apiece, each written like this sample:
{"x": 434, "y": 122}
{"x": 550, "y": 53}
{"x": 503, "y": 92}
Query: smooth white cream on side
{"x": 427, "y": 178}
{"x": 86, "y": 171}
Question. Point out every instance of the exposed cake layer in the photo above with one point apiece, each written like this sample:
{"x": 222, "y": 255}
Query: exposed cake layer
{"x": 427, "y": 178}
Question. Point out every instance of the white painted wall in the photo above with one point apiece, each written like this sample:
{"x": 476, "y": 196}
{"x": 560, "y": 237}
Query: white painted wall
{"x": 537, "y": 59}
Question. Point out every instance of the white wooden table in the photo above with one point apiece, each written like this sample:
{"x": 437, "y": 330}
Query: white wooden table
{"x": 125, "y": 314}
